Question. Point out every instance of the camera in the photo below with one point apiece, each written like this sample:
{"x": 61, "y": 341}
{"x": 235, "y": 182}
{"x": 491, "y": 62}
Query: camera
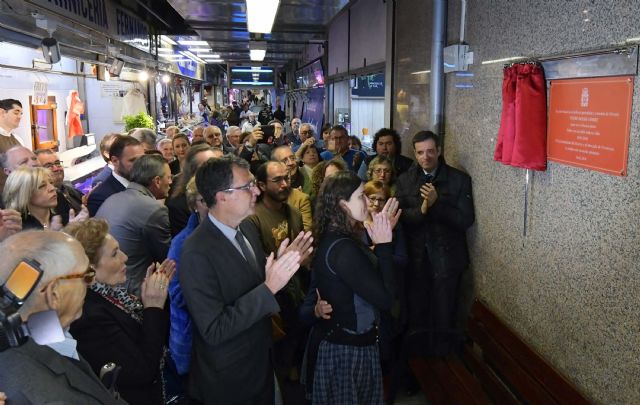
{"x": 268, "y": 132}
{"x": 44, "y": 327}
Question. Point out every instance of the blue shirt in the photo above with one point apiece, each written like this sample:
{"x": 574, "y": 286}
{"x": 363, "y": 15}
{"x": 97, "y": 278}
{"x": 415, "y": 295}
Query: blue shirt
{"x": 348, "y": 157}
{"x": 180, "y": 334}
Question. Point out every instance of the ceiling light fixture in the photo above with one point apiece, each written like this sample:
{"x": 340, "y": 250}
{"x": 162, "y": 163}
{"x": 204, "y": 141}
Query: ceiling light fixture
{"x": 194, "y": 43}
{"x": 143, "y": 76}
{"x": 257, "y": 50}
{"x": 166, "y": 78}
{"x": 261, "y": 14}
{"x": 168, "y": 40}
{"x": 257, "y": 55}
{"x": 192, "y": 57}
{"x": 165, "y": 50}
{"x": 200, "y": 49}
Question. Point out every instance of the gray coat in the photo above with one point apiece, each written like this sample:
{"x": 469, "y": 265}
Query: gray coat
{"x": 34, "y": 374}
{"x": 140, "y": 223}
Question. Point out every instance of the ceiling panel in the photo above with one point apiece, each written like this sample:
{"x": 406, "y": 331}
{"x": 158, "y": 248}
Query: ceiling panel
{"x": 223, "y": 24}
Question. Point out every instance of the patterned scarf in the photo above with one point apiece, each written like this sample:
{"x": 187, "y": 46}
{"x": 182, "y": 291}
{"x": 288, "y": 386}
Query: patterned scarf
{"x": 120, "y": 297}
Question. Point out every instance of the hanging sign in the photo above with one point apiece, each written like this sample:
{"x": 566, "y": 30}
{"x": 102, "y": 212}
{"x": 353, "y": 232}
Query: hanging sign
{"x": 104, "y": 16}
{"x": 39, "y": 93}
{"x": 589, "y": 123}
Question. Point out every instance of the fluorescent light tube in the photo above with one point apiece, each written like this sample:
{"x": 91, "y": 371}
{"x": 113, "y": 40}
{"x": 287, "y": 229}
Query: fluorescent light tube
{"x": 261, "y": 14}
{"x": 192, "y": 56}
{"x": 257, "y": 55}
{"x": 488, "y": 62}
{"x": 200, "y": 49}
{"x": 195, "y": 43}
{"x": 168, "y": 40}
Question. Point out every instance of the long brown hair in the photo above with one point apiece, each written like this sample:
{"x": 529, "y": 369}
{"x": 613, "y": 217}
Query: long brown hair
{"x": 329, "y": 215}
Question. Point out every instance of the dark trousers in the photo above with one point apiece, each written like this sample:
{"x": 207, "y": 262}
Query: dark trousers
{"x": 267, "y": 397}
{"x": 433, "y": 304}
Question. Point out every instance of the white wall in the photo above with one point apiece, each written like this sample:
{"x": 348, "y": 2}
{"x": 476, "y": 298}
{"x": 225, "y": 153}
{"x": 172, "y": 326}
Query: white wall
{"x": 100, "y": 108}
{"x": 18, "y": 85}
{"x": 366, "y": 113}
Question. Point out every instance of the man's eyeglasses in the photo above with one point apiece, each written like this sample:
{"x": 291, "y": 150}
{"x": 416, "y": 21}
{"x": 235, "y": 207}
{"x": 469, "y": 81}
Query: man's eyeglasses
{"x": 280, "y": 179}
{"x": 88, "y": 277}
{"x": 306, "y": 132}
{"x": 376, "y": 201}
{"x": 57, "y": 163}
{"x": 247, "y": 187}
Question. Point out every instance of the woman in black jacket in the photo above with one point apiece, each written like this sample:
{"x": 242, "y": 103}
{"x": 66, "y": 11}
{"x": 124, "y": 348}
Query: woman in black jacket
{"x": 117, "y": 327}
{"x": 343, "y": 362}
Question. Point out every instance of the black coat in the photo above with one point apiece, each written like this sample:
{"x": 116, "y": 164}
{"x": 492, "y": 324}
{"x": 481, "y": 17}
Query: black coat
{"x": 103, "y": 191}
{"x": 441, "y": 233}
{"x": 230, "y": 307}
{"x": 105, "y": 333}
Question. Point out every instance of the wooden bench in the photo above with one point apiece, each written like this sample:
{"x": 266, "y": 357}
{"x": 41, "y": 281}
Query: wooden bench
{"x": 496, "y": 366}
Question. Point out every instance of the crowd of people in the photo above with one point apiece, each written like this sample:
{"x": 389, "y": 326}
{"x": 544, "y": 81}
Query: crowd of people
{"x": 222, "y": 268}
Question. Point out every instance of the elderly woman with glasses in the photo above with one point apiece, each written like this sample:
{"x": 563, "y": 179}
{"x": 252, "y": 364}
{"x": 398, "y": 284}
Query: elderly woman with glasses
{"x": 391, "y": 322}
{"x": 381, "y": 169}
{"x": 118, "y": 327}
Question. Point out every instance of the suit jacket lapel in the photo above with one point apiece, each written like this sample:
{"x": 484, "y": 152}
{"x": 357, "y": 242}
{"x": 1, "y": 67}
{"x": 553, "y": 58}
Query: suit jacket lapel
{"x": 76, "y": 372}
{"x": 226, "y": 244}
{"x": 251, "y": 234}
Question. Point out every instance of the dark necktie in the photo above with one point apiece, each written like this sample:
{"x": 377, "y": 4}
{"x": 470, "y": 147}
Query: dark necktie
{"x": 427, "y": 178}
{"x": 246, "y": 250}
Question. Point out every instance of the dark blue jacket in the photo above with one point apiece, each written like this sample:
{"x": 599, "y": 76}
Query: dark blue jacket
{"x": 103, "y": 191}
{"x": 180, "y": 335}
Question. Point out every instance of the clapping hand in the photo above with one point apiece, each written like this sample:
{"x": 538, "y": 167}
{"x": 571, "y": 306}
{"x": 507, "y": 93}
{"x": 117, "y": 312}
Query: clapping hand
{"x": 301, "y": 244}
{"x": 379, "y": 229}
{"x": 81, "y": 216}
{"x": 56, "y": 223}
{"x": 279, "y": 271}
{"x": 154, "y": 288}
{"x": 10, "y": 223}
{"x": 392, "y": 210}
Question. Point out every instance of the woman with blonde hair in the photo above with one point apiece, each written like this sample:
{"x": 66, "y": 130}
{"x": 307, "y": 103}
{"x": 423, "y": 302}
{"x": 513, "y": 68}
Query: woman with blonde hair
{"x": 30, "y": 191}
{"x": 381, "y": 169}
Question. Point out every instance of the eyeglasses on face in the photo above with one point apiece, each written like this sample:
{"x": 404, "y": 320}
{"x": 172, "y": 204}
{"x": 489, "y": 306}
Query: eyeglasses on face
{"x": 247, "y": 187}
{"x": 381, "y": 170}
{"x": 280, "y": 179}
{"x": 88, "y": 276}
{"x": 57, "y": 163}
{"x": 376, "y": 200}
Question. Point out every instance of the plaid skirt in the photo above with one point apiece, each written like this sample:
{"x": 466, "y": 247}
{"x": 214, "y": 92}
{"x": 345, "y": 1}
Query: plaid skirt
{"x": 347, "y": 375}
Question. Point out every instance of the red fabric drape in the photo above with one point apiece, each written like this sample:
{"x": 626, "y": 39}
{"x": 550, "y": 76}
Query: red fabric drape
{"x": 522, "y": 138}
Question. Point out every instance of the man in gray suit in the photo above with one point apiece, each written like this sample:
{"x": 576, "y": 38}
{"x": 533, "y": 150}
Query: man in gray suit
{"x": 138, "y": 221}
{"x": 39, "y": 374}
{"x": 229, "y": 288}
